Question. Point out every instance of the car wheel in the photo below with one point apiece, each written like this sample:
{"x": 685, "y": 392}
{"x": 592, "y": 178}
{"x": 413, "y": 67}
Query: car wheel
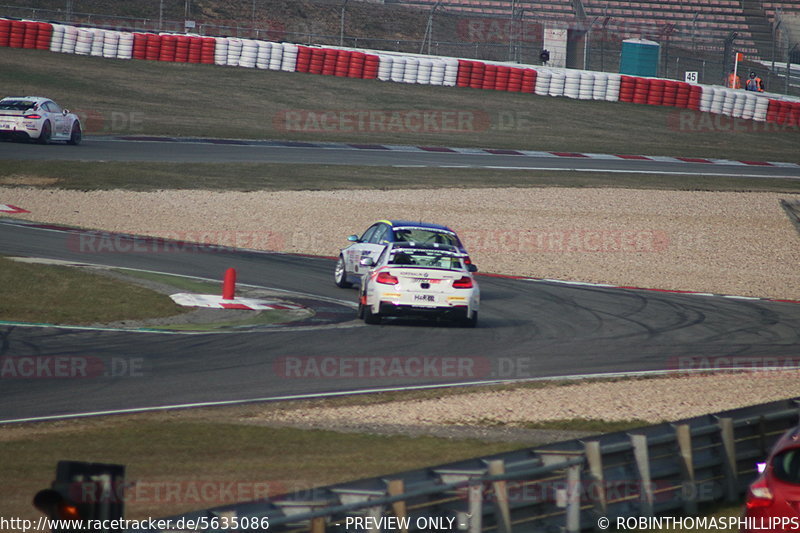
{"x": 76, "y": 135}
{"x": 340, "y": 274}
{"x": 470, "y": 322}
{"x": 370, "y": 317}
{"x": 44, "y": 137}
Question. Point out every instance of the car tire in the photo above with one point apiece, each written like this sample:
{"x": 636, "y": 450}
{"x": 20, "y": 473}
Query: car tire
{"x": 470, "y": 322}
{"x": 77, "y": 135}
{"x": 46, "y": 134}
{"x": 340, "y": 274}
{"x": 370, "y": 317}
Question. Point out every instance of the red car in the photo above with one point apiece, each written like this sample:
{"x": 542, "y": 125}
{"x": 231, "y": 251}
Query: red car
{"x": 773, "y": 500}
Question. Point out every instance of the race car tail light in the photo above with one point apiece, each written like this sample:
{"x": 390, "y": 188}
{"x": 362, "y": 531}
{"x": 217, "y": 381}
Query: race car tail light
{"x": 387, "y": 279}
{"x": 463, "y": 283}
{"x": 33, "y": 116}
{"x": 759, "y": 495}
{"x": 467, "y": 261}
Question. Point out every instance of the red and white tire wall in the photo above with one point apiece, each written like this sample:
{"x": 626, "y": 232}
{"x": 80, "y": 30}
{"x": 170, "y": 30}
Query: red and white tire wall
{"x": 397, "y": 67}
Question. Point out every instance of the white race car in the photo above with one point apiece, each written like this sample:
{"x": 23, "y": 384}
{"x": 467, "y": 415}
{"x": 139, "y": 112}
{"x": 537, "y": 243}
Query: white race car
{"x": 410, "y": 279}
{"x": 37, "y": 118}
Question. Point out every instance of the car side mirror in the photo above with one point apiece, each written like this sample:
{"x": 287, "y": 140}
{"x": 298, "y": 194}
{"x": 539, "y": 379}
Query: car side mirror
{"x": 367, "y": 262}
{"x": 472, "y": 268}
{"x": 65, "y": 112}
{"x": 353, "y": 238}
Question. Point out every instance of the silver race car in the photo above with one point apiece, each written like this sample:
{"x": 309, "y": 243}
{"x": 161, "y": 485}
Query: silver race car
{"x": 39, "y": 119}
{"x": 423, "y": 280}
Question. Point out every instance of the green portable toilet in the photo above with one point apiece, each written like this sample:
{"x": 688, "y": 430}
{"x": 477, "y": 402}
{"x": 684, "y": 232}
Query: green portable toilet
{"x": 640, "y": 57}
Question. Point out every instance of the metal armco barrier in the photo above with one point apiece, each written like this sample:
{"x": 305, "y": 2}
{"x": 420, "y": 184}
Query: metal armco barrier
{"x": 667, "y": 469}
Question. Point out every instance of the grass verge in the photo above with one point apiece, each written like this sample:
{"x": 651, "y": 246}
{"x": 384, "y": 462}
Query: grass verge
{"x": 147, "y": 97}
{"x": 280, "y": 177}
{"x": 64, "y": 295}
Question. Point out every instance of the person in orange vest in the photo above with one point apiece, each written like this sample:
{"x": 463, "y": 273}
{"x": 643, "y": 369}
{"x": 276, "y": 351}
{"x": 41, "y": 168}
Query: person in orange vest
{"x": 754, "y": 83}
{"x": 733, "y": 81}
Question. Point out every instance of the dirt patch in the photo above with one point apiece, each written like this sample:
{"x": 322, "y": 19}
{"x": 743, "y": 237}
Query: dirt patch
{"x": 33, "y": 181}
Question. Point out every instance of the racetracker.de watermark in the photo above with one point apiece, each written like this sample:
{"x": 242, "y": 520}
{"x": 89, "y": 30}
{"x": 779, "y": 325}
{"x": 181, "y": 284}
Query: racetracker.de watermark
{"x": 70, "y": 367}
{"x": 382, "y": 121}
{"x": 377, "y": 367}
{"x": 565, "y": 241}
{"x": 207, "y": 493}
{"x": 734, "y": 363}
{"x": 692, "y": 121}
{"x": 111, "y": 122}
{"x": 100, "y": 242}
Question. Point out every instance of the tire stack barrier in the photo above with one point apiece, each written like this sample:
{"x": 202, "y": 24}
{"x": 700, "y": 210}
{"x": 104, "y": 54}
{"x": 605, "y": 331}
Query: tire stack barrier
{"x": 772, "y": 111}
{"x": 289, "y": 63}
{"x": 195, "y": 50}
{"x": 572, "y": 83}
{"x": 543, "y": 79}
{"x": 695, "y": 96}
{"x": 529, "y": 80}
{"x": 557, "y": 84}
{"x": 424, "y": 72}
{"x": 385, "y": 67}
{"x": 412, "y": 68}
{"x": 501, "y": 79}
{"x": 98, "y": 43}
{"x": 56, "y": 39}
{"x": 125, "y": 48}
{"x": 613, "y": 87}
{"x": 342, "y": 64}
{"x": 182, "y": 44}
{"x": 44, "y": 36}
{"x": 762, "y": 107}
{"x": 586, "y": 87}
{"x": 5, "y": 32}
{"x": 398, "y": 69}
{"x": 784, "y": 108}
{"x": 139, "y": 45}
{"x": 600, "y": 87}
{"x": 303, "y": 57}
{"x": 729, "y": 101}
{"x": 749, "y": 110}
{"x": 489, "y": 76}
{"x": 655, "y": 92}
{"x": 17, "y": 34}
{"x": 356, "y": 69}
{"x": 738, "y": 104}
{"x": 331, "y": 58}
{"x": 372, "y": 64}
{"x": 221, "y": 51}
{"x": 83, "y": 42}
{"x": 169, "y": 47}
{"x": 110, "y": 44}
{"x": 265, "y": 55}
{"x": 477, "y": 74}
{"x": 438, "y": 71}
{"x": 627, "y": 88}
{"x": 235, "y": 46}
{"x": 276, "y": 57}
{"x": 641, "y": 91}
{"x": 317, "y": 62}
{"x": 29, "y": 38}
{"x": 515, "y": 80}
{"x": 450, "y": 72}
{"x": 70, "y": 40}
{"x": 670, "y": 97}
{"x": 249, "y": 54}
{"x": 464, "y": 73}
{"x": 717, "y": 100}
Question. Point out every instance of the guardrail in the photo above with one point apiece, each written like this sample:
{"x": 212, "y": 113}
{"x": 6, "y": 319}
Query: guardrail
{"x": 566, "y": 486}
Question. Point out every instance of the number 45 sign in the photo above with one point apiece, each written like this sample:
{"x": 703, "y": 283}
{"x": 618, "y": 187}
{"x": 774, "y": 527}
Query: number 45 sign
{"x": 690, "y": 76}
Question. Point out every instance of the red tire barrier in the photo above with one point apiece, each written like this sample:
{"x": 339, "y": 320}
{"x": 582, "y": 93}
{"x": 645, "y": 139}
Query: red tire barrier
{"x": 331, "y": 57}
{"x": 371, "y": 65}
{"x": 17, "y": 34}
{"x": 140, "y": 46}
{"x": 356, "y": 69}
{"x": 685, "y": 94}
{"x": 303, "y": 59}
{"x": 641, "y": 91}
{"x": 655, "y": 93}
{"x": 317, "y": 63}
{"x": 153, "y": 47}
{"x": 501, "y": 81}
{"x": 44, "y": 36}
{"x": 169, "y": 44}
{"x": 476, "y": 77}
{"x": 514, "y": 80}
{"x": 195, "y": 49}
{"x": 670, "y": 93}
{"x": 489, "y": 77}
{"x": 528, "y": 80}
{"x": 31, "y": 34}
{"x": 464, "y": 73}
{"x": 182, "y": 43}
{"x": 343, "y": 63}
{"x": 208, "y": 48}
{"x": 5, "y": 32}
{"x": 772, "y": 110}
{"x": 627, "y": 88}
{"x": 794, "y": 116}
{"x": 695, "y": 94}
{"x": 784, "y": 108}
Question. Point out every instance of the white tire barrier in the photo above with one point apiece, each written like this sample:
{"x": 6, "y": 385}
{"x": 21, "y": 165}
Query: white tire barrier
{"x": 276, "y": 57}
{"x": 83, "y": 42}
{"x": 572, "y": 83}
{"x": 728, "y": 102}
{"x": 264, "y": 54}
{"x": 70, "y": 40}
{"x": 289, "y": 63}
{"x": 543, "y": 80}
{"x": 110, "y": 44}
{"x": 450, "y": 72}
{"x": 717, "y": 100}
{"x": 98, "y": 41}
{"x": 248, "y": 54}
{"x": 398, "y": 69}
{"x": 410, "y": 73}
{"x": 738, "y": 104}
{"x": 125, "y": 48}
{"x": 612, "y": 87}
{"x": 438, "y": 69}
{"x": 749, "y": 109}
{"x": 385, "y": 67}
{"x": 557, "y": 83}
{"x": 424, "y": 72}
{"x": 221, "y": 51}
{"x": 57, "y": 39}
{"x": 706, "y": 98}
{"x": 234, "y": 52}
{"x": 760, "y": 112}
{"x": 586, "y": 88}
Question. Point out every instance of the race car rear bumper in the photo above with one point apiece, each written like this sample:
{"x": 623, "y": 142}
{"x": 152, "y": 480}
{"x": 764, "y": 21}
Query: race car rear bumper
{"x": 459, "y": 312}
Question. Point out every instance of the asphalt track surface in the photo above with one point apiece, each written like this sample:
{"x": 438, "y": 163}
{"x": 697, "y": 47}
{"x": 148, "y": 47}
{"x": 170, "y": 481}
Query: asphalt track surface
{"x": 231, "y": 151}
{"x": 526, "y": 329}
